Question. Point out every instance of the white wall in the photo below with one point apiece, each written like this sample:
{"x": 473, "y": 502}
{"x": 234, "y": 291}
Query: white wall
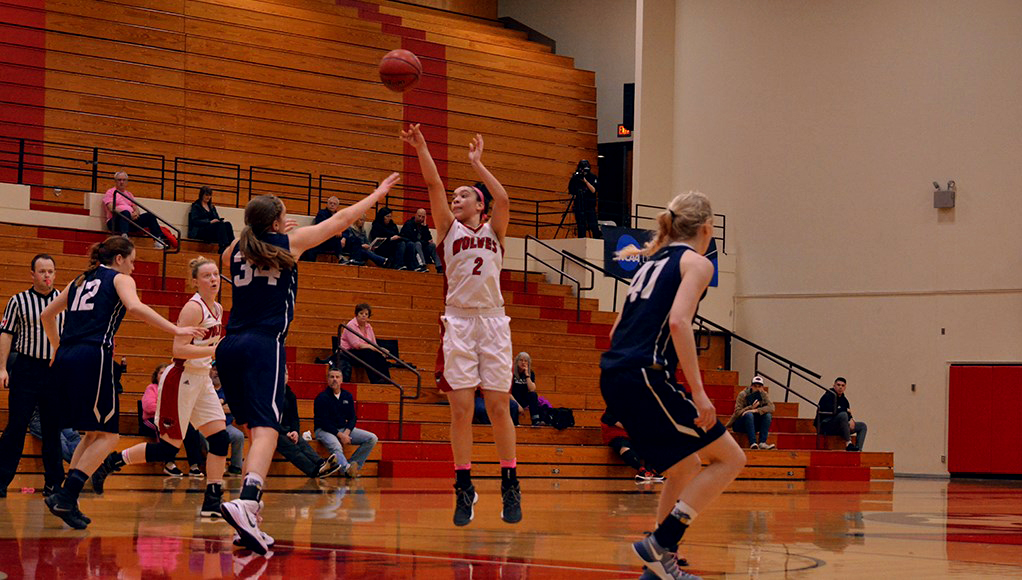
{"x": 817, "y": 127}
{"x": 599, "y": 35}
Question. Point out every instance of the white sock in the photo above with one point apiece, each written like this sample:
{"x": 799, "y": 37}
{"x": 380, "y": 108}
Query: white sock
{"x": 684, "y": 512}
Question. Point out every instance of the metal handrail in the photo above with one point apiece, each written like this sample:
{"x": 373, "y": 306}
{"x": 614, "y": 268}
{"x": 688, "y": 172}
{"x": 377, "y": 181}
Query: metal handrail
{"x": 794, "y": 369}
{"x": 401, "y": 363}
{"x": 166, "y": 246}
{"x": 578, "y": 285}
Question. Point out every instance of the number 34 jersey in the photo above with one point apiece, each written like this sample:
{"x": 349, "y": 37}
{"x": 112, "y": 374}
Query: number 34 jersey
{"x": 472, "y": 260}
{"x": 643, "y": 336}
{"x": 263, "y": 300}
{"x": 94, "y": 310}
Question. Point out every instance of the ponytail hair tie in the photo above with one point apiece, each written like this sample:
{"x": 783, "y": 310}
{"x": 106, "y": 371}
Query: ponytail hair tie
{"x": 674, "y": 216}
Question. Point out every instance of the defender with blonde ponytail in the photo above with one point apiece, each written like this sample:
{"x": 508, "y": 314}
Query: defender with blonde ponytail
{"x": 186, "y": 394}
{"x": 250, "y": 360}
{"x": 97, "y": 302}
{"x": 651, "y": 337}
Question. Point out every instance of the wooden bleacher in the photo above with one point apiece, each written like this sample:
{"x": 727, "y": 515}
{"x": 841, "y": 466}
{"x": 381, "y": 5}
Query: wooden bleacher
{"x": 291, "y": 85}
{"x": 406, "y": 306}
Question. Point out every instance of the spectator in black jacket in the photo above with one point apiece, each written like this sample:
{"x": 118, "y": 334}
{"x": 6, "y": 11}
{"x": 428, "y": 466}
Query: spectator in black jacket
{"x": 834, "y": 417}
{"x": 417, "y": 233}
{"x": 355, "y": 244}
{"x": 335, "y": 417}
{"x": 204, "y": 223}
{"x": 297, "y": 450}
{"x": 523, "y": 387}
{"x": 331, "y": 246}
{"x": 398, "y": 252}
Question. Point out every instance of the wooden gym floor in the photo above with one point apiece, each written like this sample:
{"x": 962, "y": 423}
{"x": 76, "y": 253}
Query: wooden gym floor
{"x": 146, "y": 527}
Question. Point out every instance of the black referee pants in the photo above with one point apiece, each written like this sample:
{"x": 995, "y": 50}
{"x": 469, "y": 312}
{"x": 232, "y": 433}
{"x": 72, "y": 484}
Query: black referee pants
{"x": 31, "y": 384}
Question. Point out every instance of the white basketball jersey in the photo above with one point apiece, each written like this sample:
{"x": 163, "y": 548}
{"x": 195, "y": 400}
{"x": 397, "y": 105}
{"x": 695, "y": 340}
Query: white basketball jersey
{"x": 211, "y": 321}
{"x": 472, "y": 261}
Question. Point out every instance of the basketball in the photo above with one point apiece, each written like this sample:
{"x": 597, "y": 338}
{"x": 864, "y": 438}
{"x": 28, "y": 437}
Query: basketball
{"x": 400, "y": 70}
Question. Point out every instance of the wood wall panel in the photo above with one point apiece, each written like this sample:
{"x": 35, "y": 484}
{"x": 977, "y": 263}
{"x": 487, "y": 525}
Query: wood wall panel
{"x": 292, "y": 84}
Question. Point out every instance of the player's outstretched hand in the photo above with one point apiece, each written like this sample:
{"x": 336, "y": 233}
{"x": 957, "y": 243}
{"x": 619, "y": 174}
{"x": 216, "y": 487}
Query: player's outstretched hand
{"x": 413, "y": 136}
{"x": 289, "y": 225}
{"x": 193, "y": 331}
{"x": 3, "y": 378}
{"x": 386, "y": 184}
{"x": 475, "y": 149}
{"x": 707, "y": 413}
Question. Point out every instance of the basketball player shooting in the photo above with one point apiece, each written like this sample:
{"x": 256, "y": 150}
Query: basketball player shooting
{"x": 475, "y": 350}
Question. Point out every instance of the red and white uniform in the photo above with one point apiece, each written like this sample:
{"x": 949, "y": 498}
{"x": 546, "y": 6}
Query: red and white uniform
{"x": 475, "y": 334}
{"x": 186, "y": 393}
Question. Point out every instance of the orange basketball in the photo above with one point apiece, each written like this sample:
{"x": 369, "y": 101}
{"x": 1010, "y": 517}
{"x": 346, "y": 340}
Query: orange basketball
{"x": 400, "y": 70}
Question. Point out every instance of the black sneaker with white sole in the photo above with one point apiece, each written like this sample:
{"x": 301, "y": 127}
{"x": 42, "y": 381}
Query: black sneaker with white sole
{"x": 464, "y": 504}
{"x": 212, "y": 500}
{"x": 511, "y": 496}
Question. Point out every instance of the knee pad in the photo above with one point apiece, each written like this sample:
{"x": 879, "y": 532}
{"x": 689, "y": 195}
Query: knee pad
{"x": 219, "y": 443}
{"x": 160, "y": 452}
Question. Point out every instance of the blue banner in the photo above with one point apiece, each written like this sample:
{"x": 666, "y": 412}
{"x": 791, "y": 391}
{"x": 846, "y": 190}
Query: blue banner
{"x": 617, "y": 239}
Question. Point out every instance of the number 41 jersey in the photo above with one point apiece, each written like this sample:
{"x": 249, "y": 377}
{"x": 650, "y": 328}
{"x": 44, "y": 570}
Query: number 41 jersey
{"x": 643, "y": 336}
{"x": 263, "y": 300}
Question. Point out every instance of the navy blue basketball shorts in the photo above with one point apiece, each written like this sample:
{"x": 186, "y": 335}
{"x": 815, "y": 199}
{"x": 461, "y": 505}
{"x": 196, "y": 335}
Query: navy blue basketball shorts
{"x": 252, "y": 369}
{"x": 659, "y": 418}
{"x": 85, "y": 375}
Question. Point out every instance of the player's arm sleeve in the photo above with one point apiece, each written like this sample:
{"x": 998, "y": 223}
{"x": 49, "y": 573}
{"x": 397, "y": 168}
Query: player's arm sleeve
{"x": 12, "y": 317}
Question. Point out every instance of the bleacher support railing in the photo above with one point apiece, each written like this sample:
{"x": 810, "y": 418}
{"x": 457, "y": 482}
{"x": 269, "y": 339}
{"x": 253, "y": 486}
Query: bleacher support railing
{"x": 62, "y": 166}
{"x": 369, "y": 368}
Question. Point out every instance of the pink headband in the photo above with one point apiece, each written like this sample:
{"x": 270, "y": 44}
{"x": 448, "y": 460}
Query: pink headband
{"x": 479, "y": 192}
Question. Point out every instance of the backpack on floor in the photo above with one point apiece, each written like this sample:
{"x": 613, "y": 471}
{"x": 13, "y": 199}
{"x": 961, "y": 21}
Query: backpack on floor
{"x": 562, "y": 418}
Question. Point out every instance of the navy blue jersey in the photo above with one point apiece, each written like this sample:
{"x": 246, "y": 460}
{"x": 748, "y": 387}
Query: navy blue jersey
{"x": 643, "y": 336}
{"x": 263, "y": 300}
{"x": 94, "y": 310}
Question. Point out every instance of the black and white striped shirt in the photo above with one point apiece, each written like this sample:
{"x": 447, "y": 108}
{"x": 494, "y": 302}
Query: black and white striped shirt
{"x": 22, "y": 319}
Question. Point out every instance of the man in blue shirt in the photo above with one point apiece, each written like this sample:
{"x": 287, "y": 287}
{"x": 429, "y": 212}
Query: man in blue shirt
{"x": 334, "y": 419}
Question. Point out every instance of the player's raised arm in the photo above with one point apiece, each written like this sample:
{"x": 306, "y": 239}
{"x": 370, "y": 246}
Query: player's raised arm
{"x": 501, "y": 213}
{"x": 311, "y": 236}
{"x": 439, "y": 208}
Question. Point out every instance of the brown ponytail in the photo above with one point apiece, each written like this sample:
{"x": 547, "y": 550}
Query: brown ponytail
{"x": 680, "y": 221}
{"x": 104, "y": 253}
{"x": 260, "y": 213}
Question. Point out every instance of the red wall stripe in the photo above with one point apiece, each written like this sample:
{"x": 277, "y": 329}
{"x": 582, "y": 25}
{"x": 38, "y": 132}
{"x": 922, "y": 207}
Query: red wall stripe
{"x": 23, "y": 70}
{"x": 426, "y": 103}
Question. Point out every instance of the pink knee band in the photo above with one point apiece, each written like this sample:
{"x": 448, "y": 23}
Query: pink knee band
{"x": 512, "y": 463}
{"x": 458, "y": 467}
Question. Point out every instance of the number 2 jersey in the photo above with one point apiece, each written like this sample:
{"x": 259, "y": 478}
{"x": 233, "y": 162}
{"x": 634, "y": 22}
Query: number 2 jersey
{"x": 643, "y": 336}
{"x": 472, "y": 260}
{"x": 263, "y": 300}
{"x": 94, "y": 310}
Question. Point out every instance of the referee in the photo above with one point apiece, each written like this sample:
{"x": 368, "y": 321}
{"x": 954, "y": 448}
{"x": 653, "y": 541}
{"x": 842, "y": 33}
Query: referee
{"x": 25, "y": 369}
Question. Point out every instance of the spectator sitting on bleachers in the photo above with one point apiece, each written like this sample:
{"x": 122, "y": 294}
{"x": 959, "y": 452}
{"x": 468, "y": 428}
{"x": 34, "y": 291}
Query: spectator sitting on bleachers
{"x": 331, "y": 246}
{"x": 205, "y": 224}
{"x": 69, "y": 438}
{"x": 193, "y": 441}
{"x": 370, "y": 356}
{"x": 117, "y": 217}
{"x": 753, "y": 413}
{"x": 417, "y": 233}
{"x": 615, "y": 436}
{"x": 834, "y": 417}
{"x": 293, "y": 447}
{"x": 334, "y": 418}
{"x": 395, "y": 249}
{"x": 237, "y": 437}
{"x": 523, "y": 388}
{"x": 355, "y": 244}
{"x": 480, "y": 415}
